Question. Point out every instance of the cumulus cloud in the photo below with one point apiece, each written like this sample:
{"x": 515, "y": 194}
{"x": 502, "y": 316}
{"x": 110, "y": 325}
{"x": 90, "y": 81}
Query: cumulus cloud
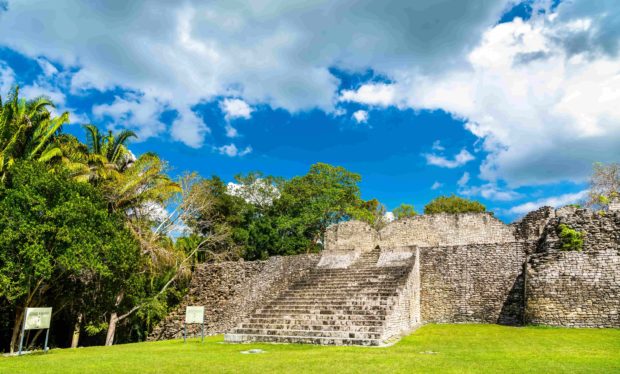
{"x": 459, "y": 159}
{"x": 361, "y": 116}
{"x": 542, "y": 94}
{"x": 275, "y": 52}
{"x": 371, "y": 94}
{"x": 236, "y": 108}
{"x": 555, "y": 201}
{"x": 135, "y": 112}
{"x": 436, "y": 185}
{"x": 231, "y": 150}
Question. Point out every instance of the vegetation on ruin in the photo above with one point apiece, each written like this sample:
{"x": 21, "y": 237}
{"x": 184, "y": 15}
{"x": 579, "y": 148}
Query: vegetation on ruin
{"x": 570, "y": 239}
{"x": 404, "y": 211}
{"x": 453, "y": 204}
{"x": 433, "y": 349}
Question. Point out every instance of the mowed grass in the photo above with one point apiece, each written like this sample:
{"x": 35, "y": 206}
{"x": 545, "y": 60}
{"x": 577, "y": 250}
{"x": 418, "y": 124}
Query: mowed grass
{"x": 432, "y": 348}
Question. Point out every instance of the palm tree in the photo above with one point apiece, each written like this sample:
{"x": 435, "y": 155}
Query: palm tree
{"x": 28, "y": 131}
{"x": 105, "y": 156}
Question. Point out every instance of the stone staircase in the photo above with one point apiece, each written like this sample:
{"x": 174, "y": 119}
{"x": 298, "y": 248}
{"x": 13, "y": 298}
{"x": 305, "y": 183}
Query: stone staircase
{"x": 349, "y": 306}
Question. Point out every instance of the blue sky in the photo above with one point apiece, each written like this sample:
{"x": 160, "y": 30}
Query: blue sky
{"x": 506, "y": 102}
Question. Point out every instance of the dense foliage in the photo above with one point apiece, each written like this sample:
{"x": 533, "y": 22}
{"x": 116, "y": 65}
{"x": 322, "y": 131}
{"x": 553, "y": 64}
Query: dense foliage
{"x": 453, "y": 205}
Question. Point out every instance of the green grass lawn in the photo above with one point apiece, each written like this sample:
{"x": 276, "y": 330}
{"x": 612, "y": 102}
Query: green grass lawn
{"x": 432, "y": 348}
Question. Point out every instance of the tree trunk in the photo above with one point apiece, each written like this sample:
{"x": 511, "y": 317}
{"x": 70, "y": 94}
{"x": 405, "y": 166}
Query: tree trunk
{"x": 17, "y": 324}
{"x": 75, "y": 340}
{"x": 109, "y": 340}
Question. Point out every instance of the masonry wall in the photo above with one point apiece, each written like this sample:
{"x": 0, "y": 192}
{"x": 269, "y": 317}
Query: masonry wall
{"x": 473, "y": 283}
{"x": 445, "y": 229}
{"x": 571, "y": 288}
{"x": 405, "y": 312}
{"x": 231, "y": 290}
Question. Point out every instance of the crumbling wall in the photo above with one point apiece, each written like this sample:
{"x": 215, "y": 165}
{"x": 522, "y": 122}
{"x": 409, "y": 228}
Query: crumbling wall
{"x": 576, "y": 288}
{"x": 445, "y": 229}
{"x": 472, "y": 283}
{"x": 231, "y": 290}
{"x": 404, "y": 314}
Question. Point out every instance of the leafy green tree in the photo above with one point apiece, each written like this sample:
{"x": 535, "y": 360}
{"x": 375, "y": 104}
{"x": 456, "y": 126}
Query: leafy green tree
{"x": 404, "y": 211}
{"x": 54, "y": 231}
{"x": 453, "y": 205}
{"x": 309, "y": 204}
{"x": 372, "y": 212}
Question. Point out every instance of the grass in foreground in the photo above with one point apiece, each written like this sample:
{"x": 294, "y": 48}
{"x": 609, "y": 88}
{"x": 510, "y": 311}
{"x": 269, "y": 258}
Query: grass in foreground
{"x": 432, "y": 348}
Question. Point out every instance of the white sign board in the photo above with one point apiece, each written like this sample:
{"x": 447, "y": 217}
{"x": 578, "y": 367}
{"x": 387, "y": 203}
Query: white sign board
{"x": 195, "y": 314}
{"x": 37, "y": 318}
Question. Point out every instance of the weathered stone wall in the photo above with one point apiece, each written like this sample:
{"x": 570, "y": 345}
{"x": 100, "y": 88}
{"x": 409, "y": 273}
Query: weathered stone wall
{"x": 473, "y": 283}
{"x": 405, "y": 312}
{"x": 571, "y": 288}
{"x": 231, "y": 290}
{"x": 445, "y": 229}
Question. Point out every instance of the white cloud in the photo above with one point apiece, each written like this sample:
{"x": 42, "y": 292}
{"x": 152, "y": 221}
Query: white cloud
{"x": 489, "y": 191}
{"x": 7, "y": 79}
{"x": 381, "y": 94}
{"x": 138, "y": 113}
{"x": 184, "y": 53}
{"x": 48, "y": 68}
{"x": 462, "y": 182}
{"x": 460, "y": 159}
{"x": 236, "y": 108}
{"x": 555, "y": 201}
{"x": 436, "y": 185}
{"x": 189, "y": 128}
{"x": 542, "y": 94}
{"x": 361, "y": 116}
{"x": 231, "y": 150}
{"x": 555, "y": 76}
{"x": 389, "y": 217}
{"x": 231, "y": 132}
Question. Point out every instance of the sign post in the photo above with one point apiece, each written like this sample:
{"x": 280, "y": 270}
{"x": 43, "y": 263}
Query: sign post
{"x": 36, "y": 319}
{"x": 193, "y": 315}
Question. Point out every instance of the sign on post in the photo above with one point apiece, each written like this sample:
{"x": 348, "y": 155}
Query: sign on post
{"x": 194, "y": 315}
{"x": 36, "y": 319}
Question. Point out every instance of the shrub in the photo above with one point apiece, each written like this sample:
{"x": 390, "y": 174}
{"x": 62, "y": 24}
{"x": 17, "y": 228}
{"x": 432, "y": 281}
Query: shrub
{"x": 571, "y": 239}
{"x": 453, "y": 204}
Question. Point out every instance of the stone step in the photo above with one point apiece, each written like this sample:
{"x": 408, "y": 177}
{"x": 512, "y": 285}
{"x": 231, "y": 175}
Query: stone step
{"x": 316, "y": 320}
{"x": 327, "y": 302}
{"x": 320, "y": 307}
{"x": 337, "y": 296}
{"x": 309, "y": 333}
{"x": 346, "y": 283}
{"x": 234, "y": 338}
{"x": 297, "y": 312}
{"x": 301, "y": 326}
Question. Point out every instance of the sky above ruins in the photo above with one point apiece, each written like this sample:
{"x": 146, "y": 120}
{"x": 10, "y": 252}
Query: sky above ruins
{"x": 502, "y": 101}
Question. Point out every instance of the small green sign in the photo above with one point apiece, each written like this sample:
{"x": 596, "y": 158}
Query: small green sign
{"x": 195, "y": 314}
{"x": 37, "y": 318}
